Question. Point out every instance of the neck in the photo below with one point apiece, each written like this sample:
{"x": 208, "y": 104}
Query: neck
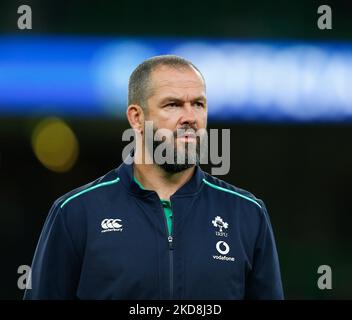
{"x": 165, "y": 184}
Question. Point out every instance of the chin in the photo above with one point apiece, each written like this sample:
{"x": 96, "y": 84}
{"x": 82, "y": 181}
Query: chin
{"x": 175, "y": 168}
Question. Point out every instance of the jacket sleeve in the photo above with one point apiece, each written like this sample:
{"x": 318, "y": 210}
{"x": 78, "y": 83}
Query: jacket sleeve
{"x": 264, "y": 280}
{"x": 56, "y": 266}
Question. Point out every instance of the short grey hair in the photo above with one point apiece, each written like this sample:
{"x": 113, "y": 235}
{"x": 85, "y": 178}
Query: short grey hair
{"x": 139, "y": 83}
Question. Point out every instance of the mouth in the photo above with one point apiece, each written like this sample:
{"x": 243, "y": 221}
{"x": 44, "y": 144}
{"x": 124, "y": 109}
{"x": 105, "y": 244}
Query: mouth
{"x": 188, "y": 136}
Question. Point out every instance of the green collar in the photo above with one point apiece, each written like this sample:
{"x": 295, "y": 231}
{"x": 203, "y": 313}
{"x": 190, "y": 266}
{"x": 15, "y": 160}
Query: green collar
{"x": 166, "y": 203}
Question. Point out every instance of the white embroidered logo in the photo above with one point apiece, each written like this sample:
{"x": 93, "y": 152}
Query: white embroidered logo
{"x": 226, "y": 247}
{"x": 223, "y": 248}
{"x": 219, "y": 223}
{"x": 111, "y": 225}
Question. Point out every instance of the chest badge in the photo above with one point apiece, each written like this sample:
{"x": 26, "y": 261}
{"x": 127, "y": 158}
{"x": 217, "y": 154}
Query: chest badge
{"x": 111, "y": 225}
{"x": 221, "y": 225}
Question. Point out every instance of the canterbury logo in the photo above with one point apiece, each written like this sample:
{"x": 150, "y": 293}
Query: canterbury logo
{"x": 111, "y": 225}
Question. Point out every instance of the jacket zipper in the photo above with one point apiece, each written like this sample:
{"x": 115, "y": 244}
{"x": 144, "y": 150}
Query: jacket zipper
{"x": 171, "y": 259}
{"x": 171, "y": 255}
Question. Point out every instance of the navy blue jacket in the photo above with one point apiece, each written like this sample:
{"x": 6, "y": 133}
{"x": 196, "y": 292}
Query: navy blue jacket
{"x": 109, "y": 240}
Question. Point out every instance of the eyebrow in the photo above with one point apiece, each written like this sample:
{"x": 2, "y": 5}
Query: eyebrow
{"x": 169, "y": 99}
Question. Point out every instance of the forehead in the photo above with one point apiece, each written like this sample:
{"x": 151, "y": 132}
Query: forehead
{"x": 179, "y": 82}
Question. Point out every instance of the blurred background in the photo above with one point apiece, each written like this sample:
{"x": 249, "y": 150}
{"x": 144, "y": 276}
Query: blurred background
{"x": 282, "y": 85}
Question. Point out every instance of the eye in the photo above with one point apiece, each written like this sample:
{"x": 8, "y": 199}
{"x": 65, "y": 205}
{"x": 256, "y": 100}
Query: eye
{"x": 172, "y": 105}
{"x": 199, "y": 104}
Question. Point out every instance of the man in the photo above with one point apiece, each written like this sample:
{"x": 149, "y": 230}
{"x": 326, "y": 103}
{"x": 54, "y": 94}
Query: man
{"x": 159, "y": 231}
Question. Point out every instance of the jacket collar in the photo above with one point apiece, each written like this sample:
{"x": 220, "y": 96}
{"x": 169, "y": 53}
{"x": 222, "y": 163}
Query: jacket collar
{"x": 125, "y": 172}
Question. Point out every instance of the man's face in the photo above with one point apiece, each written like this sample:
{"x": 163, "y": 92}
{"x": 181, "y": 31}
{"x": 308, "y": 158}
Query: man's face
{"x": 177, "y": 101}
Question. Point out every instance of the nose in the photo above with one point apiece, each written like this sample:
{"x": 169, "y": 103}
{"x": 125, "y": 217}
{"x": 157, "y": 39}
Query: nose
{"x": 188, "y": 115}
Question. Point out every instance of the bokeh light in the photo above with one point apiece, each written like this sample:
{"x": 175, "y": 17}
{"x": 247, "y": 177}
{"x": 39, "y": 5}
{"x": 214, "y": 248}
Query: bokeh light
{"x": 55, "y": 145}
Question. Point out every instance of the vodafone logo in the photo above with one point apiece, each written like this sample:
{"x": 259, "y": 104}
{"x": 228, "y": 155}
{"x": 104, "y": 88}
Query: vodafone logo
{"x": 222, "y": 247}
{"x": 111, "y": 225}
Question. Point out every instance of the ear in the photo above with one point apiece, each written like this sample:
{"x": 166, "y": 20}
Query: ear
{"x": 135, "y": 116}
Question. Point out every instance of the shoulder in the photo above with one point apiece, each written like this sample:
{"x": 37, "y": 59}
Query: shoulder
{"x": 97, "y": 188}
{"x": 232, "y": 192}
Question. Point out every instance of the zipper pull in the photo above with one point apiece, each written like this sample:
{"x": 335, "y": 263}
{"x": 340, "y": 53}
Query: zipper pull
{"x": 170, "y": 239}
